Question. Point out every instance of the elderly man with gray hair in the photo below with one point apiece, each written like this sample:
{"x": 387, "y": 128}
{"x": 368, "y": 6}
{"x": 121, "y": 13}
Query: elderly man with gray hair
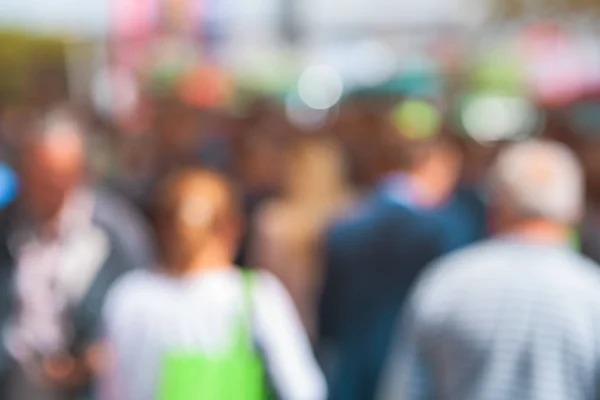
{"x": 516, "y": 316}
{"x": 61, "y": 249}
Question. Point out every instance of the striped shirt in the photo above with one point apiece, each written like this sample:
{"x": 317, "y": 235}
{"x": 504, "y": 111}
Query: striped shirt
{"x": 501, "y": 320}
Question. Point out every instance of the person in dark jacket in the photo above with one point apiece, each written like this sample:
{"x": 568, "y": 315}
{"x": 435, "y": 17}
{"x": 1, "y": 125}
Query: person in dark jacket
{"x": 57, "y": 262}
{"x": 374, "y": 254}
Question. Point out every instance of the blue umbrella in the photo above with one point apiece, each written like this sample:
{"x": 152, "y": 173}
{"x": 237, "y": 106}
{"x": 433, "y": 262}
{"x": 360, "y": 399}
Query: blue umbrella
{"x": 9, "y": 185}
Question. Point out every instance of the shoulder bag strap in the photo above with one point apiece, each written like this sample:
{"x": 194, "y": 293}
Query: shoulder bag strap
{"x": 249, "y": 281}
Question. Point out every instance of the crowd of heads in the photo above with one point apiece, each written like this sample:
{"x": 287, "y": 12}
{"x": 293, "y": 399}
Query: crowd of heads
{"x": 208, "y": 187}
{"x": 265, "y": 155}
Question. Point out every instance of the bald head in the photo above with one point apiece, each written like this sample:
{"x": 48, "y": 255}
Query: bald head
{"x": 52, "y": 164}
{"x": 540, "y": 180}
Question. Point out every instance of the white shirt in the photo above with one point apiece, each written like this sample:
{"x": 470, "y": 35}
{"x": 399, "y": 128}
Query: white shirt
{"x": 147, "y": 312}
{"x": 46, "y": 271}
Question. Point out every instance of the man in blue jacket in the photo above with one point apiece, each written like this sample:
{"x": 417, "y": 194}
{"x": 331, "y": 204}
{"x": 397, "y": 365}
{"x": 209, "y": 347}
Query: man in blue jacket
{"x": 374, "y": 254}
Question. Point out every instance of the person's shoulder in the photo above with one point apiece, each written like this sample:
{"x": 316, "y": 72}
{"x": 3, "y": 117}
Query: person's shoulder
{"x": 132, "y": 288}
{"x": 131, "y": 282}
{"x": 267, "y": 287}
{"x": 352, "y": 216}
{"x": 493, "y": 256}
{"x": 583, "y": 269}
{"x": 265, "y": 280}
{"x": 113, "y": 209}
{"x": 106, "y": 198}
{"x": 463, "y": 256}
{"x": 456, "y": 264}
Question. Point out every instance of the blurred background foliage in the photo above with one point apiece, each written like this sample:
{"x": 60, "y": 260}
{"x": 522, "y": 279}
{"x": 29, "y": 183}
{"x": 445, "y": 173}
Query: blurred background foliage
{"x": 26, "y": 58}
{"x": 517, "y": 9}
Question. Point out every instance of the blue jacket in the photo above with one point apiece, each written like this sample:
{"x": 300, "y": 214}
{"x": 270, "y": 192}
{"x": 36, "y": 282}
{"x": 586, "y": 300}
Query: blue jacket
{"x": 372, "y": 258}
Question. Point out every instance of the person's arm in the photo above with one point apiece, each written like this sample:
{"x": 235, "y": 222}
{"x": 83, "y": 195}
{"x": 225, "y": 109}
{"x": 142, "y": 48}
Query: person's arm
{"x": 72, "y": 373}
{"x": 289, "y": 359}
{"x": 407, "y": 375}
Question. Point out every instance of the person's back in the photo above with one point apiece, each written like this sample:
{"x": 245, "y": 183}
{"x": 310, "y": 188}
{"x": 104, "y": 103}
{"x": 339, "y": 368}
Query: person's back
{"x": 374, "y": 255}
{"x": 197, "y": 318}
{"x": 372, "y": 258}
{"x": 374, "y": 252}
{"x": 511, "y": 320}
{"x": 372, "y": 262}
{"x": 151, "y": 313}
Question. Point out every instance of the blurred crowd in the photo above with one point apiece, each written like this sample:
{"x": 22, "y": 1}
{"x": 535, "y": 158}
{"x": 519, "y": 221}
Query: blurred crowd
{"x": 382, "y": 254}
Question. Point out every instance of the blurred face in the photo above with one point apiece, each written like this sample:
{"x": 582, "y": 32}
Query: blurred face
{"x": 49, "y": 173}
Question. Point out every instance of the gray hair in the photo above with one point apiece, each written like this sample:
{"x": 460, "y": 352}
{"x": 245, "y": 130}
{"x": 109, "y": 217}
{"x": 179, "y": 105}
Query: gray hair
{"x": 540, "y": 179}
{"x": 57, "y": 126}
{"x": 59, "y": 129}
{"x": 61, "y": 122}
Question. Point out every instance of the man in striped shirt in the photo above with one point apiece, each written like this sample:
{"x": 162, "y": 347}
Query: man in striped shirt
{"x": 517, "y": 316}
